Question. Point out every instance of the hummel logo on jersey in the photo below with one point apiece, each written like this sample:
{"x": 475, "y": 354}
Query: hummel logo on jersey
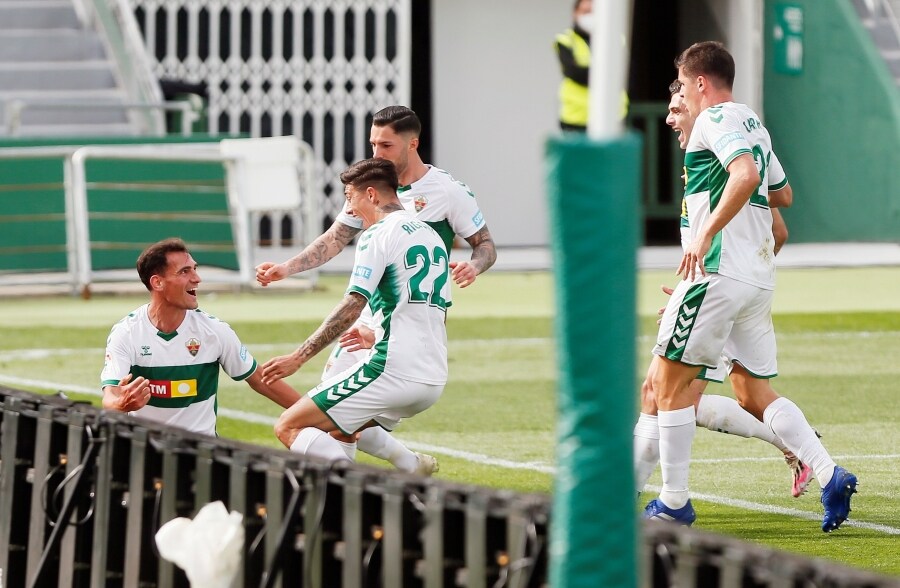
{"x": 145, "y": 350}
{"x": 355, "y": 383}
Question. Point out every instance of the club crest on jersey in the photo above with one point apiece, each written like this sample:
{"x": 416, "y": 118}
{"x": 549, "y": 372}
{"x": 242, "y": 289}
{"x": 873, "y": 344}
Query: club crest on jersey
{"x": 193, "y": 346}
{"x": 421, "y": 202}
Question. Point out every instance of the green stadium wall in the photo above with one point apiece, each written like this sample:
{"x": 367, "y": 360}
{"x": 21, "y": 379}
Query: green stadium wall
{"x": 835, "y": 126}
{"x": 130, "y": 203}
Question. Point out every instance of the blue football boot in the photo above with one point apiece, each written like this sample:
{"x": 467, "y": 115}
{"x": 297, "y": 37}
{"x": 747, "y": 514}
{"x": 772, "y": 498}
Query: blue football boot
{"x": 657, "y": 510}
{"x": 836, "y": 498}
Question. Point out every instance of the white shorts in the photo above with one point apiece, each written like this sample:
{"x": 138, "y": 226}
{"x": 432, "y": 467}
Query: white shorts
{"x": 718, "y": 316}
{"x": 361, "y": 394}
{"x": 718, "y": 373}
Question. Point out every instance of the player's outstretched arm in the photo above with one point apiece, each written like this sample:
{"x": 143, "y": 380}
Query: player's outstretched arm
{"x": 279, "y": 391}
{"x": 340, "y": 319}
{"x": 325, "y": 247}
{"x": 484, "y": 254}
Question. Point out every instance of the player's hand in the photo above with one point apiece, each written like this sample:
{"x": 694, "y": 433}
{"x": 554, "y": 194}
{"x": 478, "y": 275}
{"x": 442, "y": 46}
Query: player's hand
{"x": 268, "y": 272}
{"x": 357, "y": 338}
{"x": 280, "y": 367}
{"x": 692, "y": 262}
{"x": 133, "y": 395}
{"x": 463, "y": 273}
{"x": 668, "y": 292}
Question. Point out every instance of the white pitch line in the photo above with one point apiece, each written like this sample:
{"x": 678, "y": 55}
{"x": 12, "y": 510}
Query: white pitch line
{"x": 35, "y": 354}
{"x": 519, "y": 465}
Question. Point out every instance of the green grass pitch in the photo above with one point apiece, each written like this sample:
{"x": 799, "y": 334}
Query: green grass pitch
{"x": 838, "y": 333}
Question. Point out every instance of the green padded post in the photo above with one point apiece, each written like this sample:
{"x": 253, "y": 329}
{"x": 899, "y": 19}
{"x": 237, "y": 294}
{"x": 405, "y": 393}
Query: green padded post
{"x": 593, "y": 191}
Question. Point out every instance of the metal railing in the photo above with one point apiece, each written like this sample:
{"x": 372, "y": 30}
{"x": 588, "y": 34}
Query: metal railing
{"x": 242, "y": 217}
{"x": 83, "y": 492}
{"x": 115, "y": 22}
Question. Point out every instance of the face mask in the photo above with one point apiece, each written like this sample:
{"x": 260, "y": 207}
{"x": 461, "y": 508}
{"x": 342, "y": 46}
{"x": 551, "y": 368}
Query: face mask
{"x": 586, "y": 22}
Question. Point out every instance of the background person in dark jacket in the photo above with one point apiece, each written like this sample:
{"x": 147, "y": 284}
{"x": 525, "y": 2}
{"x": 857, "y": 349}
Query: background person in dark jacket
{"x": 573, "y": 47}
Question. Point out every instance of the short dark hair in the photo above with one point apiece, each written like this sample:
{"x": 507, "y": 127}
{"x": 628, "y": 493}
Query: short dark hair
{"x": 154, "y": 259}
{"x": 378, "y": 173}
{"x": 674, "y": 87}
{"x": 710, "y": 59}
{"x": 400, "y": 119}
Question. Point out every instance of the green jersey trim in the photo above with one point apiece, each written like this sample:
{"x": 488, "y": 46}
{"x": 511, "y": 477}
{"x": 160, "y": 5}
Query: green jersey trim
{"x": 444, "y": 231}
{"x": 778, "y": 186}
{"x": 167, "y": 336}
{"x": 714, "y": 256}
{"x": 735, "y": 155}
{"x": 385, "y": 299}
{"x": 246, "y": 374}
{"x": 361, "y": 291}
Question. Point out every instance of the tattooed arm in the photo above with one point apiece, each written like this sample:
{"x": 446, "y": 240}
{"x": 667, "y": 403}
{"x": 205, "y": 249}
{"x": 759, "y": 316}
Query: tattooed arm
{"x": 484, "y": 254}
{"x": 325, "y": 247}
{"x": 340, "y": 319}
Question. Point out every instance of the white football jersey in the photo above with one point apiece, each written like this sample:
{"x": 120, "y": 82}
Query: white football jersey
{"x": 446, "y": 204}
{"x": 402, "y": 268}
{"x": 182, "y": 366}
{"x": 744, "y": 249}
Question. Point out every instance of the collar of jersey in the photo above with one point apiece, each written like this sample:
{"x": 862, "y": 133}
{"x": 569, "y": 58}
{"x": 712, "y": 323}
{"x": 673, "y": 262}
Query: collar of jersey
{"x": 166, "y": 336}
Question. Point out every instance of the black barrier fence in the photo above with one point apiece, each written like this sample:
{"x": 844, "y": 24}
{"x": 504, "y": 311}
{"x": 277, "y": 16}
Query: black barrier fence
{"x": 83, "y": 492}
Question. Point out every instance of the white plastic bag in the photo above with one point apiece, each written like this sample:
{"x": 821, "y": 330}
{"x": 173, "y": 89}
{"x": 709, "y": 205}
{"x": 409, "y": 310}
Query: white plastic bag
{"x": 208, "y": 548}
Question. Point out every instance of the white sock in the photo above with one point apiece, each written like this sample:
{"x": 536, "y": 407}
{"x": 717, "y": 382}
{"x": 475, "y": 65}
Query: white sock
{"x": 787, "y": 421}
{"x": 646, "y": 448}
{"x": 379, "y": 443}
{"x": 725, "y": 415}
{"x": 349, "y": 449}
{"x": 317, "y": 443}
{"x": 676, "y": 434}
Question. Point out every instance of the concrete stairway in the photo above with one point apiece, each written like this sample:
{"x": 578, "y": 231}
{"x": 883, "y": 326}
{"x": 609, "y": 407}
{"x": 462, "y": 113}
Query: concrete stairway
{"x": 880, "y": 17}
{"x": 56, "y": 71}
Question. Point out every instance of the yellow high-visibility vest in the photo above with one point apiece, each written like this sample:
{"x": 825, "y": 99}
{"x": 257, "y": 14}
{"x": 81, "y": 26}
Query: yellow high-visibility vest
{"x": 573, "y": 97}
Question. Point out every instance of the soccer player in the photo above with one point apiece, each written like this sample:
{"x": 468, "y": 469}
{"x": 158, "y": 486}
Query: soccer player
{"x": 723, "y": 303}
{"x": 446, "y": 204}
{"x": 714, "y": 412}
{"x": 401, "y": 271}
{"x": 162, "y": 360}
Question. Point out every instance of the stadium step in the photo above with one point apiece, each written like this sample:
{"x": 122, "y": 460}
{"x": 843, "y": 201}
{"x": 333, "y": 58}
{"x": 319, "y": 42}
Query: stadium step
{"x": 31, "y": 14}
{"x": 30, "y": 45}
{"x": 55, "y": 75}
